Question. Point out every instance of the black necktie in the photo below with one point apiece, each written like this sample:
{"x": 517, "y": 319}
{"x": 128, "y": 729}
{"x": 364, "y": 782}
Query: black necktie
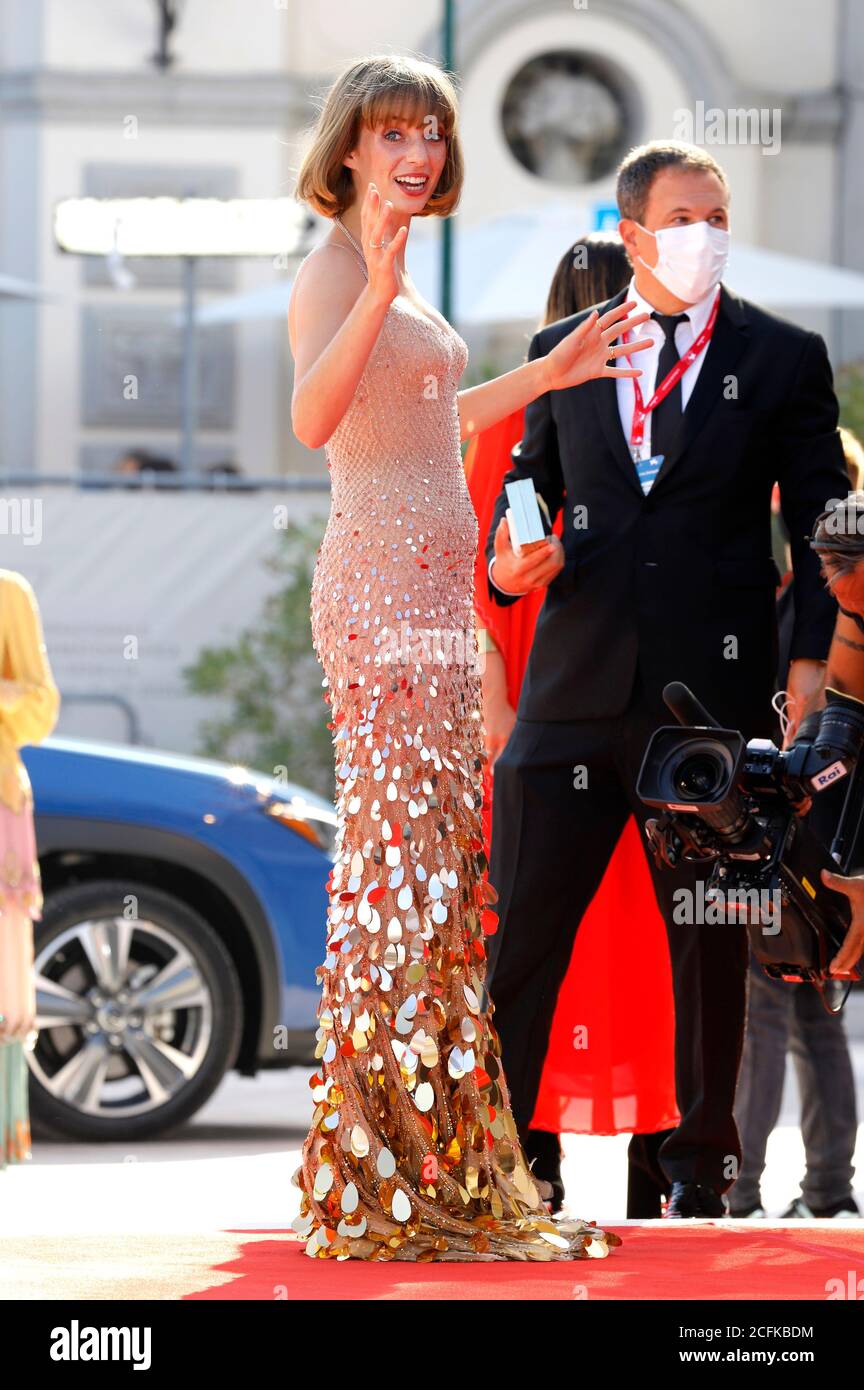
{"x": 666, "y": 416}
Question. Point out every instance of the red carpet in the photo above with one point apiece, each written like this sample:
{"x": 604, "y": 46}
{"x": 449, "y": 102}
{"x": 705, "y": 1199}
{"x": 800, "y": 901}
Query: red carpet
{"x": 655, "y": 1262}
{"x": 658, "y": 1260}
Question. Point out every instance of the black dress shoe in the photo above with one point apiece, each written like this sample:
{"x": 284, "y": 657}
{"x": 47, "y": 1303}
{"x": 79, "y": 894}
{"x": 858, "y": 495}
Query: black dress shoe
{"x": 694, "y": 1199}
{"x": 647, "y": 1184}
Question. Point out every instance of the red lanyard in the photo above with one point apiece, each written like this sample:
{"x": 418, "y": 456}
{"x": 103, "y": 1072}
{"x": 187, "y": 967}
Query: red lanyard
{"x": 640, "y": 410}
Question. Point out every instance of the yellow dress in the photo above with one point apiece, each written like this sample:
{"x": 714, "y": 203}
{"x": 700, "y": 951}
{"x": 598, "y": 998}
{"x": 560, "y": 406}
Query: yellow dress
{"x": 29, "y": 705}
{"x": 413, "y": 1152}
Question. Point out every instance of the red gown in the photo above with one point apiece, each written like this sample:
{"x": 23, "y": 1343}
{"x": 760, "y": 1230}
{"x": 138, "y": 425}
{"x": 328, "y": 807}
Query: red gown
{"x": 618, "y": 986}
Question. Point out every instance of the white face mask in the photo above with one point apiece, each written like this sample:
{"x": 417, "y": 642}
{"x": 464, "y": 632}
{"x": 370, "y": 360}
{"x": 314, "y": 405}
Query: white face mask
{"x": 690, "y": 259}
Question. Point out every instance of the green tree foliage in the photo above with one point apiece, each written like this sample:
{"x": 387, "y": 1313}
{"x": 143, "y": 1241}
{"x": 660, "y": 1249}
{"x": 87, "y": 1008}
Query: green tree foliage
{"x": 268, "y": 681}
{"x": 850, "y": 394}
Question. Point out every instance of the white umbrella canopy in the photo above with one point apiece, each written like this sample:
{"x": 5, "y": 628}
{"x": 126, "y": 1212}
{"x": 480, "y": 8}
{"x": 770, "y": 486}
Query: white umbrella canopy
{"x": 503, "y": 268}
{"x": 267, "y": 302}
{"x": 770, "y": 278}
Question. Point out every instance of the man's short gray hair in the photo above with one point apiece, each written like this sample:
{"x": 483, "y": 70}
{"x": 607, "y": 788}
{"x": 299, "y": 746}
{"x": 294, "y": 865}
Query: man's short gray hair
{"x": 638, "y": 170}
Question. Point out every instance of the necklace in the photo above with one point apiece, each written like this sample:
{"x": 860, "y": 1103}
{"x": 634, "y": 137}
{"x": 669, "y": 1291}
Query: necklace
{"x": 357, "y": 248}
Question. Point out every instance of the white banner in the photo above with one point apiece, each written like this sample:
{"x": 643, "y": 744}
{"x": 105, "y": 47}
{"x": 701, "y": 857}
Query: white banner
{"x": 132, "y": 584}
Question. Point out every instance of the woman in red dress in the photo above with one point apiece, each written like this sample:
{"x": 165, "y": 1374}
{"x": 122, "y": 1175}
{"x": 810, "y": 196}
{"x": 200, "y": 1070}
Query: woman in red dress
{"x": 624, "y": 1082}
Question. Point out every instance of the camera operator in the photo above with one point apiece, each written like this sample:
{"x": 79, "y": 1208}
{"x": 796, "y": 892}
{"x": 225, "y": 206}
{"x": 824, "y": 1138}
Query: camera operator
{"x": 838, "y": 539}
{"x": 786, "y": 1021}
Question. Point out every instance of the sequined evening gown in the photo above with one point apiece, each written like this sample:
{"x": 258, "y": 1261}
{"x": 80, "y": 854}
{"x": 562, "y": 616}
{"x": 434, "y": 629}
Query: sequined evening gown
{"x": 413, "y": 1152}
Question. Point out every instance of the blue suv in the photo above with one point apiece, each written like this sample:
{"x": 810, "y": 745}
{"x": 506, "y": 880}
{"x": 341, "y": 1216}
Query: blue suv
{"x": 184, "y": 917}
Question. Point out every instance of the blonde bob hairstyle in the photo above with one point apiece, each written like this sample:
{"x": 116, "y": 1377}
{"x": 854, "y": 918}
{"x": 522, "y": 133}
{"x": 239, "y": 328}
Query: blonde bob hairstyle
{"x": 372, "y": 92}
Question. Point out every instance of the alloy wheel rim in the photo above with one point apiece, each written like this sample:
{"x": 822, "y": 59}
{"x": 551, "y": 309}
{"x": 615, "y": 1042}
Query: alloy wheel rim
{"x": 124, "y": 1017}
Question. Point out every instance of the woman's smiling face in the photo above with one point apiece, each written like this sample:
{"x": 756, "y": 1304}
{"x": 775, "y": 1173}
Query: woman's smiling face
{"x": 403, "y": 159}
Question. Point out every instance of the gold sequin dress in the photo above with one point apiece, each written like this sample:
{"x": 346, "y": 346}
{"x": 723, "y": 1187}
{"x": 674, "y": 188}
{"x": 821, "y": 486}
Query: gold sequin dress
{"x": 413, "y": 1152}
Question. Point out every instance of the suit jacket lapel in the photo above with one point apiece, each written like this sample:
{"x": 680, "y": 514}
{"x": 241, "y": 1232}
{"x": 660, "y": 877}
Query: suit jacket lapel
{"x": 728, "y": 341}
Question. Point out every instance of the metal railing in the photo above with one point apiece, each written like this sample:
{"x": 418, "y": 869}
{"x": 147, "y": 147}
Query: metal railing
{"x": 165, "y": 482}
{"x": 98, "y": 697}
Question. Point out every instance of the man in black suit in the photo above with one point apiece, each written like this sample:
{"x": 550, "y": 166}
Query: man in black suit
{"x": 665, "y": 573}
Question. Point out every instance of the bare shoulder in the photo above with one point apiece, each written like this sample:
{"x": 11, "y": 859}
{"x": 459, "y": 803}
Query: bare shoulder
{"x": 328, "y": 282}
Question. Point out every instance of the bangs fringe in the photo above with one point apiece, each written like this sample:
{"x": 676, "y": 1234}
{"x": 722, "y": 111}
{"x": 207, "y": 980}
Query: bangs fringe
{"x": 414, "y": 101}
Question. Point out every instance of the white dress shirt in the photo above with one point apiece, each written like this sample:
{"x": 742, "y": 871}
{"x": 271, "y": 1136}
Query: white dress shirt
{"x": 685, "y": 335}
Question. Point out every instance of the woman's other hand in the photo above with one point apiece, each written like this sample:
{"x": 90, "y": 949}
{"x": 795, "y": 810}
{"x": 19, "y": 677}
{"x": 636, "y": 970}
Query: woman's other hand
{"x": 586, "y": 352}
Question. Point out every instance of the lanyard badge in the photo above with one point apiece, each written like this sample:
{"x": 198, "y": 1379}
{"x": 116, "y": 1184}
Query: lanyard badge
{"x": 641, "y": 409}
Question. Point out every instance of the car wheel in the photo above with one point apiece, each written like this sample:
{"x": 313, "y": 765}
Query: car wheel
{"x": 138, "y": 1016}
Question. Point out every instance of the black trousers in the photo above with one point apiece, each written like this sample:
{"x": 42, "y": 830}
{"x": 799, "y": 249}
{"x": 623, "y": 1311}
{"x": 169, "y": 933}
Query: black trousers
{"x": 551, "y": 843}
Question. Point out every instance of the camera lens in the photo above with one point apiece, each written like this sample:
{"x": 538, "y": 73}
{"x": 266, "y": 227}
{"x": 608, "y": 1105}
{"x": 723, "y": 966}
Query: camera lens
{"x": 698, "y": 776}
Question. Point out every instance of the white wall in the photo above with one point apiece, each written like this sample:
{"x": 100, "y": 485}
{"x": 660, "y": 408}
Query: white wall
{"x": 779, "y": 49}
{"x": 495, "y": 181}
{"x": 328, "y": 35}
{"x": 212, "y": 36}
{"x": 785, "y": 44}
{"x": 131, "y": 587}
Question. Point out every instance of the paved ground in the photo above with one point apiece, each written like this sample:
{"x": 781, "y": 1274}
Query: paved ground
{"x": 231, "y": 1167}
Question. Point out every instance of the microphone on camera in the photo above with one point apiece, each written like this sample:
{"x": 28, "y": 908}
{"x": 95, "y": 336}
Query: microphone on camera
{"x": 686, "y": 708}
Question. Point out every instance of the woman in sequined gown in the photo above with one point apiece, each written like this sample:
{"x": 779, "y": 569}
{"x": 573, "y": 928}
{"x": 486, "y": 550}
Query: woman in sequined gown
{"x": 413, "y": 1153}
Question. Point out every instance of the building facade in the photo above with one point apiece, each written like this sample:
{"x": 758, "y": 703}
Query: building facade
{"x": 553, "y": 92}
